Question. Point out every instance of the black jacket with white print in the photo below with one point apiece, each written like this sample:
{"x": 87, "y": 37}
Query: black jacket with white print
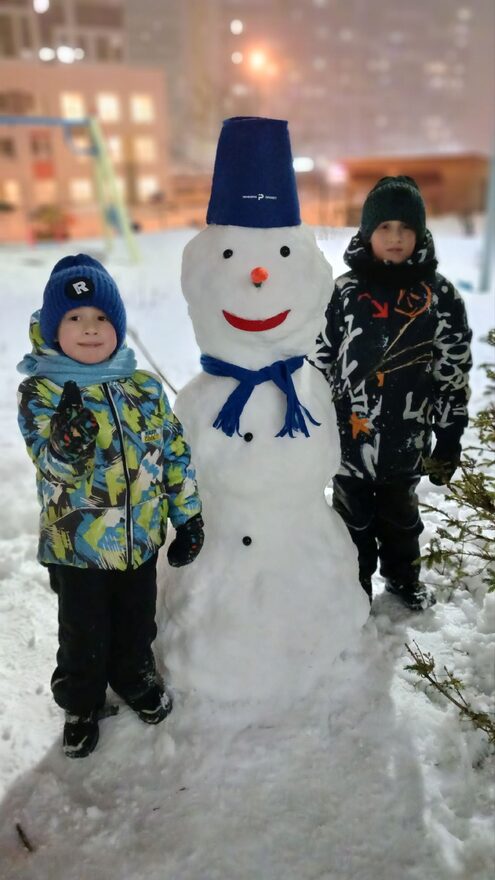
{"x": 396, "y": 352}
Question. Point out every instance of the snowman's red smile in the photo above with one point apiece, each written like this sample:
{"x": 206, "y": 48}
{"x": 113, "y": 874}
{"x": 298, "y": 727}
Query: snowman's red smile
{"x": 257, "y": 325}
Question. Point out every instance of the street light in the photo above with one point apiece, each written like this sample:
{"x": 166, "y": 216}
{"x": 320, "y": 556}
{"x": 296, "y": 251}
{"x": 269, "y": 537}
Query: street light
{"x": 263, "y": 69}
{"x": 257, "y": 60}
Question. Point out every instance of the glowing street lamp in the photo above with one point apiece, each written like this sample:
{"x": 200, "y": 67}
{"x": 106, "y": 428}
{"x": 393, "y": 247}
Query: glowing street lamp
{"x": 65, "y": 54}
{"x": 303, "y": 164}
{"x": 263, "y": 69}
{"x": 46, "y": 54}
{"x": 257, "y": 60}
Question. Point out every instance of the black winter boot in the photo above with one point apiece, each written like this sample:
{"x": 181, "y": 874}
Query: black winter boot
{"x": 414, "y": 595}
{"x": 153, "y": 706}
{"x": 81, "y": 734}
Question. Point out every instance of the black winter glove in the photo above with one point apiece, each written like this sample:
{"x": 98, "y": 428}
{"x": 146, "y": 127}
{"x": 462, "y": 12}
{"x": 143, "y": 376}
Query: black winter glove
{"x": 187, "y": 543}
{"x": 443, "y": 463}
{"x": 73, "y": 427}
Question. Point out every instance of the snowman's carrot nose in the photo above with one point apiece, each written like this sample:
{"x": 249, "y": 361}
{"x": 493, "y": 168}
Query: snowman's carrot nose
{"x": 258, "y": 275}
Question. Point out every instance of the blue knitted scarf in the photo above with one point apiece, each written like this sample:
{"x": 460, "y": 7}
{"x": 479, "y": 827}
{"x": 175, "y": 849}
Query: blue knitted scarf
{"x": 280, "y": 373}
{"x": 60, "y": 368}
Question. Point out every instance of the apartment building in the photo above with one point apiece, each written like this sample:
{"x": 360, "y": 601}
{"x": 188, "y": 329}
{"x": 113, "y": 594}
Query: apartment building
{"x": 46, "y": 167}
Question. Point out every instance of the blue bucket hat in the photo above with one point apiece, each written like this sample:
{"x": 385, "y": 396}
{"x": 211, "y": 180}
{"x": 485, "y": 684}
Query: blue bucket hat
{"x": 254, "y": 183}
{"x": 76, "y": 281}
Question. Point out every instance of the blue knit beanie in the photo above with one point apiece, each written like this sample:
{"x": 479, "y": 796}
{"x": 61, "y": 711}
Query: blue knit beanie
{"x": 78, "y": 281}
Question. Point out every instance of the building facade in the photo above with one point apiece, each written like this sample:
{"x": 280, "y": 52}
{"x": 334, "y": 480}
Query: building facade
{"x": 354, "y": 78}
{"x": 66, "y": 59}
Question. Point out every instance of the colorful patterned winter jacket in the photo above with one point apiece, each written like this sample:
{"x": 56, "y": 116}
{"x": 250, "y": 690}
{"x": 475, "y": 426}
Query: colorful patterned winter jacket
{"x": 396, "y": 352}
{"x": 109, "y": 511}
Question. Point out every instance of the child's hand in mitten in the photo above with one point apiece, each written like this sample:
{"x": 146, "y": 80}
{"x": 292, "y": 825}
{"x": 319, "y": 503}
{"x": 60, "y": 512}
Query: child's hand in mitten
{"x": 442, "y": 464}
{"x": 73, "y": 427}
{"x": 187, "y": 543}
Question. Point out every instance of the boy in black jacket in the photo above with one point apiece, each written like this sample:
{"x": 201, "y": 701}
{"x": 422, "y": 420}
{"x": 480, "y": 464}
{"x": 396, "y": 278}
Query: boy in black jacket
{"x": 396, "y": 352}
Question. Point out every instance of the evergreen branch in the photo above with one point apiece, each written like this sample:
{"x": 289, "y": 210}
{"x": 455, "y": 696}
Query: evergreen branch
{"x": 450, "y": 687}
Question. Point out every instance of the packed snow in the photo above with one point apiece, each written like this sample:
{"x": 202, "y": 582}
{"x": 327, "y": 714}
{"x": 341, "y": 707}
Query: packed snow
{"x": 367, "y": 776}
{"x": 276, "y": 587}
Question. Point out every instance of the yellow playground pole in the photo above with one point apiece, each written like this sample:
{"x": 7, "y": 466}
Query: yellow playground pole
{"x": 107, "y": 190}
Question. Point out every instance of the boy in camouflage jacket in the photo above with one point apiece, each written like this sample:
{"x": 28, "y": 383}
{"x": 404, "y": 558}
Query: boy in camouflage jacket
{"x": 112, "y": 466}
{"x": 396, "y": 352}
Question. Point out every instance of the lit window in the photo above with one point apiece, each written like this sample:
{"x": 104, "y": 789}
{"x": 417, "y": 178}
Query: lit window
{"x": 81, "y": 189}
{"x": 114, "y": 144}
{"x": 145, "y": 149}
{"x": 72, "y": 105}
{"x": 11, "y": 192}
{"x": 65, "y": 54}
{"x": 147, "y": 186}
{"x": 108, "y": 107}
{"x": 142, "y": 108}
{"x": 236, "y": 26}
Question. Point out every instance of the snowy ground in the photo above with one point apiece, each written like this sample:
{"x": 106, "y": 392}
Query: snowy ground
{"x": 370, "y": 779}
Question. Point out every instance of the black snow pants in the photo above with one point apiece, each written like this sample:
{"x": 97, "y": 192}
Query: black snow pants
{"x": 106, "y": 627}
{"x": 384, "y": 523}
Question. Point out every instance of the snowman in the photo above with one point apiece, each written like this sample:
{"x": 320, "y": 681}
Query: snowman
{"x": 274, "y": 596}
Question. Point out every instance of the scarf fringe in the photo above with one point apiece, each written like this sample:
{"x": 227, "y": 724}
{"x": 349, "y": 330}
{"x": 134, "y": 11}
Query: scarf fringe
{"x": 280, "y": 372}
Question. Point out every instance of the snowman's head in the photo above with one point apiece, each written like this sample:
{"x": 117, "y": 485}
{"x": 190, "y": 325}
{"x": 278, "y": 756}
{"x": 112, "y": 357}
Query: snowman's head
{"x": 256, "y": 295}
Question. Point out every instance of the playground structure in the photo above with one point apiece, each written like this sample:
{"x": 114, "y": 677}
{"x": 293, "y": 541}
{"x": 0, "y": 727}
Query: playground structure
{"x": 112, "y": 209}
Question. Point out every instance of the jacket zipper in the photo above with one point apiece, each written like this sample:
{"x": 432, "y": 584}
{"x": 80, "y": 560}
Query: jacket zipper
{"x": 128, "y": 513}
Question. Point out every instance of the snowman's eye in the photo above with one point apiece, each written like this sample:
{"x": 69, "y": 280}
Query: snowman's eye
{"x": 285, "y": 251}
{"x": 227, "y": 254}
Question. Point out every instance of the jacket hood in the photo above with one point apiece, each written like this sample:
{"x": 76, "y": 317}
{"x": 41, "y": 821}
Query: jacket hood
{"x": 421, "y": 264}
{"x": 40, "y": 346}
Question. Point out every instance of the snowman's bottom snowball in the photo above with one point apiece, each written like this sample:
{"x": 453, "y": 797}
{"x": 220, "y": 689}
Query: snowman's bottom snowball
{"x": 264, "y": 622}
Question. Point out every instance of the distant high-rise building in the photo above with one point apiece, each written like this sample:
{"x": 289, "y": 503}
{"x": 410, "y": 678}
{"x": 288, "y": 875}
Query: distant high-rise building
{"x": 353, "y": 77}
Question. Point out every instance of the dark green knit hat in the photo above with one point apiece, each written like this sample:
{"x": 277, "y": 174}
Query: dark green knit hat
{"x": 394, "y": 198}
